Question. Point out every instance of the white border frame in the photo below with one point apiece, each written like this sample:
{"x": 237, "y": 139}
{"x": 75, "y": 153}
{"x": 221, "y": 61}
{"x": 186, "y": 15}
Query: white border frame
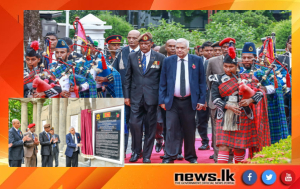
{"x": 121, "y": 161}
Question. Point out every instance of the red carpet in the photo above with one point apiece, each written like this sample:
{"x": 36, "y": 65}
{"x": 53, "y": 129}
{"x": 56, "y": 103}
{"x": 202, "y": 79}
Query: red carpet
{"x": 203, "y": 155}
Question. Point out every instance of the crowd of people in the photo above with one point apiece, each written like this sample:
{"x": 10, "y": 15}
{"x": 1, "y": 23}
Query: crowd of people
{"x": 23, "y": 148}
{"x": 168, "y": 92}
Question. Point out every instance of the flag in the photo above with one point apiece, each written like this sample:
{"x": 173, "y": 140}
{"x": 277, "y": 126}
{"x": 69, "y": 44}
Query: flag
{"x": 269, "y": 50}
{"x": 106, "y": 115}
{"x": 80, "y": 31}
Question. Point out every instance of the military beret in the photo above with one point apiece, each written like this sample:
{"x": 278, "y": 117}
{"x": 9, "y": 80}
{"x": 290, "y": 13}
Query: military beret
{"x": 31, "y": 125}
{"x": 145, "y": 37}
{"x": 113, "y": 39}
{"x": 61, "y": 44}
{"x": 249, "y": 47}
{"x": 216, "y": 44}
{"x": 32, "y": 49}
{"x": 227, "y": 40}
{"x": 47, "y": 125}
{"x": 52, "y": 128}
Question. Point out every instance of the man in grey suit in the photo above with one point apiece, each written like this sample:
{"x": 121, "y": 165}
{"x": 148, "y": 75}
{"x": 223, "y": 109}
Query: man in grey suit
{"x": 215, "y": 66}
{"x": 46, "y": 142}
{"x": 55, "y": 147}
{"x": 30, "y": 147}
{"x": 16, "y": 151}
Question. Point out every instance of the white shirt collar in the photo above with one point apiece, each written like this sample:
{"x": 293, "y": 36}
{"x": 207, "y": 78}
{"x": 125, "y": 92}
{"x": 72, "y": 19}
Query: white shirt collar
{"x": 185, "y": 58}
{"x": 16, "y": 129}
{"x": 146, "y": 54}
{"x": 135, "y": 50}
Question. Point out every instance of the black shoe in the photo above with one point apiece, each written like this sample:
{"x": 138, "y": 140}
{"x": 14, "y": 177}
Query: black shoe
{"x": 158, "y": 147}
{"x": 146, "y": 160}
{"x": 193, "y": 161}
{"x": 167, "y": 161}
{"x": 204, "y": 147}
{"x": 179, "y": 157}
{"x": 162, "y": 157}
{"x": 211, "y": 157}
{"x": 134, "y": 157}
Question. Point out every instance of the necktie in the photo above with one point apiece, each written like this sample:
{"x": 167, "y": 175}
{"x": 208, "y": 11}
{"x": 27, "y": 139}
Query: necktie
{"x": 32, "y": 136}
{"x": 48, "y": 136}
{"x": 132, "y": 51}
{"x": 182, "y": 79}
{"x": 144, "y": 63}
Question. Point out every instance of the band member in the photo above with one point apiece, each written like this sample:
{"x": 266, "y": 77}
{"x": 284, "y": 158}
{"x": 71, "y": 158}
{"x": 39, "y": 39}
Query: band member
{"x": 141, "y": 93}
{"x": 276, "y": 113}
{"x": 30, "y": 147}
{"x": 36, "y": 67}
{"x": 241, "y": 124}
{"x": 73, "y": 148}
{"x": 16, "y": 139}
{"x": 181, "y": 101}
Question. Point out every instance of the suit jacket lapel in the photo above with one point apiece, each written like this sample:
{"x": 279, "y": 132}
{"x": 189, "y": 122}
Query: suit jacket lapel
{"x": 152, "y": 58}
{"x": 18, "y": 133}
{"x": 190, "y": 63}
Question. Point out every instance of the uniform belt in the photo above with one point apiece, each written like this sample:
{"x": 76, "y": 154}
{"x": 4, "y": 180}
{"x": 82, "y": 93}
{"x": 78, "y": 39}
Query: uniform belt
{"x": 182, "y": 98}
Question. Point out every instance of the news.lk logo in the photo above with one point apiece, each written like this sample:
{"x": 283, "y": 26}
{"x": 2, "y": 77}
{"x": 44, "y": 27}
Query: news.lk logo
{"x": 249, "y": 177}
{"x": 209, "y": 178}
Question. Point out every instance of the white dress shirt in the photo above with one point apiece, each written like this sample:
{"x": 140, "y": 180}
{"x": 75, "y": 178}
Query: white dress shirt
{"x": 135, "y": 50}
{"x": 147, "y": 57}
{"x": 177, "y": 81}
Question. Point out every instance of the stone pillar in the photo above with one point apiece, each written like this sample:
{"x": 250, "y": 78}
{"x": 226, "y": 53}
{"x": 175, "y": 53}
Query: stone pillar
{"x": 62, "y": 122}
{"x": 55, "y": 114}
{"x": 34, "y": 113}
{"x": 24, "y": 116}
{"x": 38, "y": 117}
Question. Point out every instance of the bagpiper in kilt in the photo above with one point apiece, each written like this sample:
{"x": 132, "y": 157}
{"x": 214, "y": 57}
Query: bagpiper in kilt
{"x": 241, "y": 123}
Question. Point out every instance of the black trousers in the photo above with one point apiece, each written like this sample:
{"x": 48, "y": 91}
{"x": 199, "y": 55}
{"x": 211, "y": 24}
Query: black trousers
{"x": 180, "y": 119}
{"x": 143, "y": 114}
{"x": 72, "y": 160}
{"x": 202, "y": 118}
{"x": 47, "y": 161}
{"x": 15, "y": 163}
{"x": 127, "y": 116}
{"x": 55, "y": 156}
{"x": 163, "y": 113}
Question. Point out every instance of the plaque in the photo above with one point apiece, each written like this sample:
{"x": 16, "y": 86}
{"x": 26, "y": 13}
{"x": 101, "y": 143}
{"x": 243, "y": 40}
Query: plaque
{"x": 108, "y": 131}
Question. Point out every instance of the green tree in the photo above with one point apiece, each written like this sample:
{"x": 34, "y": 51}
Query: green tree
{"x": 119, "y": 25}
{"x": 254, "y": 19}
{"x": 173, "y": 30}
{"x": 282, "y": 30}
{"x": 238, "y": 30}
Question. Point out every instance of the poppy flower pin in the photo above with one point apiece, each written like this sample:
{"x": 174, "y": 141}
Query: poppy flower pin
{"x": 193, "y": 66}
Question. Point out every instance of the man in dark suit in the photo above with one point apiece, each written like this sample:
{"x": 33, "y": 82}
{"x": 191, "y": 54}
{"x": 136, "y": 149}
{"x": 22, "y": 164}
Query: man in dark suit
{"x": 16, "y": 151}
{"x": 120, "y": 66}
{"x": 202, "y": 116}
{"x": 141, "y": 93}
{"x": 55, "y": 147}
{"x": 46, "y": 142}
{"x": 181, "y": 101}
{"x": 73, "y": 148}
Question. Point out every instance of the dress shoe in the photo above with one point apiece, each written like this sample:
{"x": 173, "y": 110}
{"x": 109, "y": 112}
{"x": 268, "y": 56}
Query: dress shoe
{"x": 158, "y": 147}
{"x": 211, "y": 157}
{"x": 146, "y": 160}
{"x": 204, "y": 147}
{"x": 179, "y": 157}
{"x": 162, "y": 157}
{"x": 134, "y": 157}
{"x": 193, "y": 161}
{"x": 167, "y": 161}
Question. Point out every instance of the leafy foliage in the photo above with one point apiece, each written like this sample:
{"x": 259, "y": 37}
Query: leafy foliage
{"x": 282, "y": 30}
{"x": 280, "y": 152}
{"x": 173, "y": 30}
{"x": 238, "y": 30}
{"x": 255, "y": 21}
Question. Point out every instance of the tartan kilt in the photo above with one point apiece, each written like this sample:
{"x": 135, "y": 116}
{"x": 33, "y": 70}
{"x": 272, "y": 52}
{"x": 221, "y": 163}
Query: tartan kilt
{"x": 252, "y": 133}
